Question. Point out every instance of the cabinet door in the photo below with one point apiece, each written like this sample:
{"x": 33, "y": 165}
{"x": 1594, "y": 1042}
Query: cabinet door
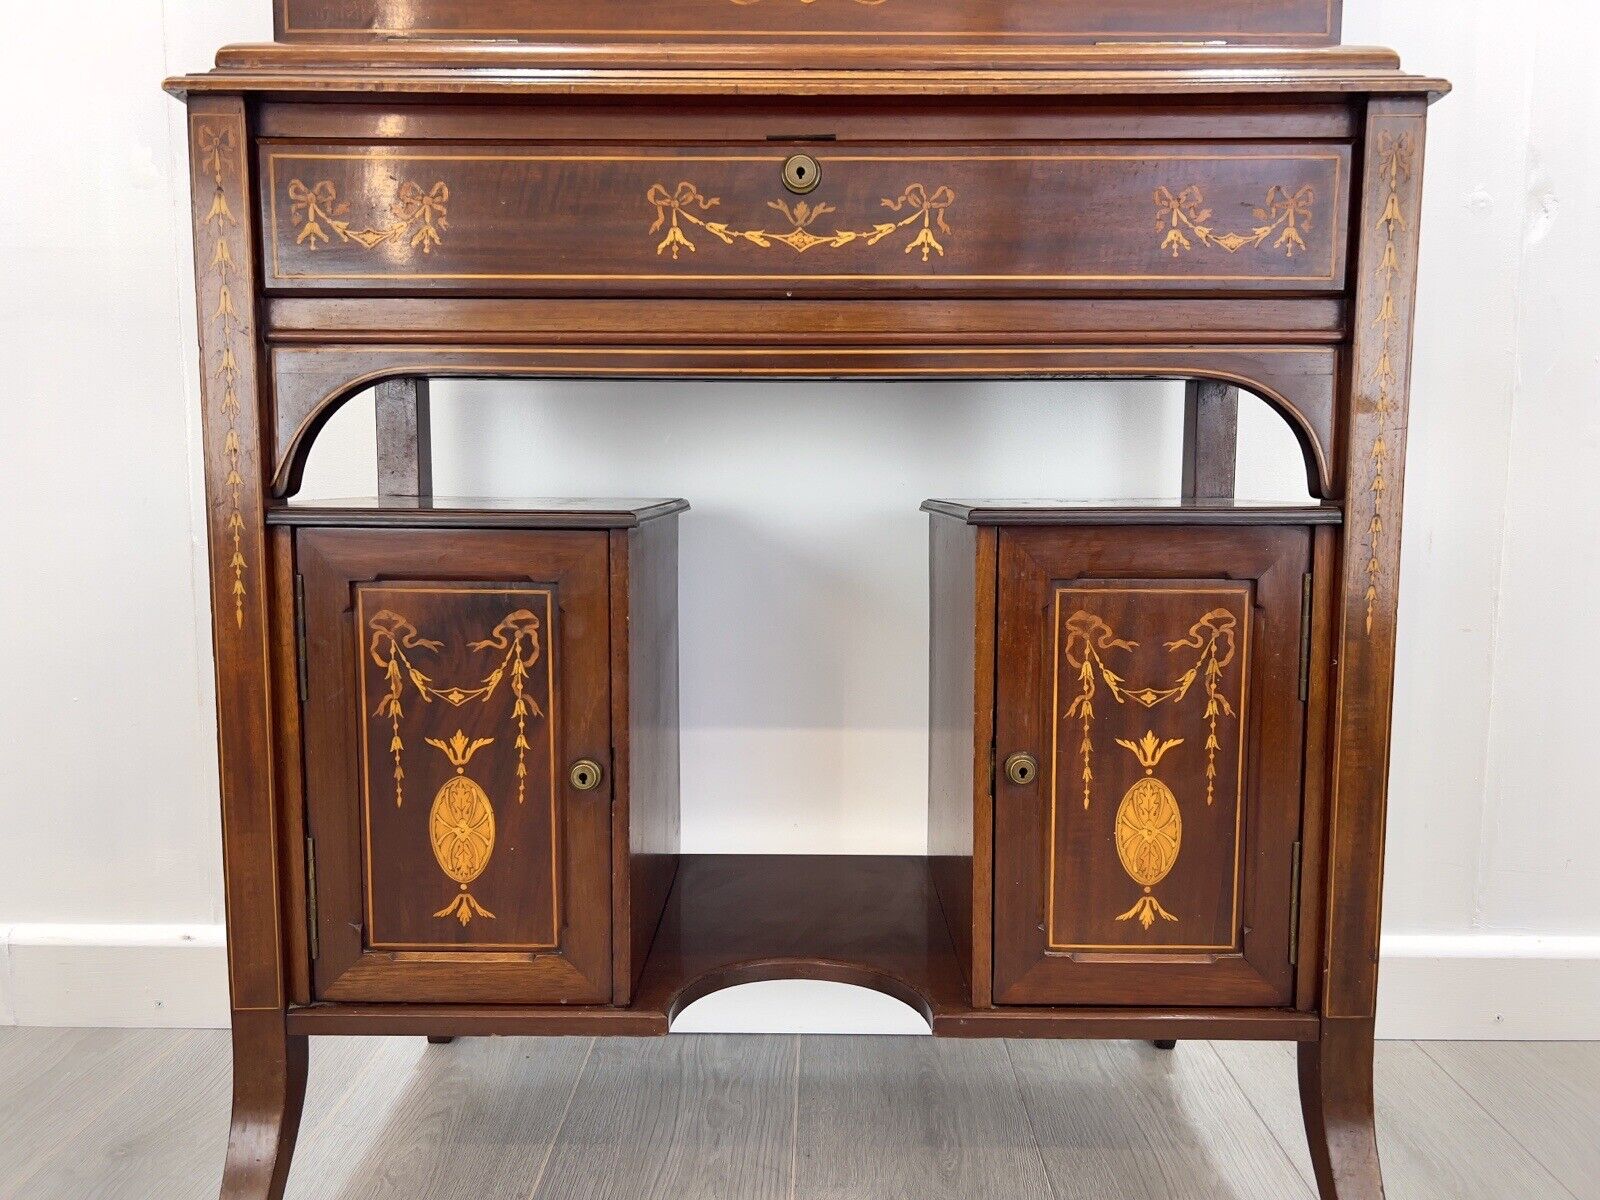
{"x": 1153, "y": 673}
{"x": 453, "y": 679}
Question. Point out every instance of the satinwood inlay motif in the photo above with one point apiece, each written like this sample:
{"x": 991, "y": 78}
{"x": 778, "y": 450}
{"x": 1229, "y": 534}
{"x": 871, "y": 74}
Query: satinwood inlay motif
{"x": 1394, "y": 166}
{"x": 1087, "y": 635}
{"x": 1284, "y": 212}
{"x": 686, "y": 204}
{"x": 217, "y": 149}
{"x": 1149, "y": 828}
{"x": 461, "y": 826}
{"x": 517, "y": 635}
{"x": 418, "y": 217}
{"x": 392, "y": 636}
{"x": 461, "y": 823}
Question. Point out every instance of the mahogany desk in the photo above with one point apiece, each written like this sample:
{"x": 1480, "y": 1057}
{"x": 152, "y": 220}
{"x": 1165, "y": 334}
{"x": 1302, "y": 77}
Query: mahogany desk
{"x": 1158, "y": 732}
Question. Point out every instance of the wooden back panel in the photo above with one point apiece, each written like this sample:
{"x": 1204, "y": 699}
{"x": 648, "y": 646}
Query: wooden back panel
{"x": 786, "y": 22}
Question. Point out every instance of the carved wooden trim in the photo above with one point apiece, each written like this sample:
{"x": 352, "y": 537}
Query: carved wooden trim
{"x": 224, "y": 288}
{"x": 1373, "y": 442}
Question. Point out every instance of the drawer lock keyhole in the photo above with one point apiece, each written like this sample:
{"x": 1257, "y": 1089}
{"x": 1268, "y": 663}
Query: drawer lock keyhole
{"x": 585, "y": 775}
{"x": 801, "y": 174}
{"x": 1022, "y": 769}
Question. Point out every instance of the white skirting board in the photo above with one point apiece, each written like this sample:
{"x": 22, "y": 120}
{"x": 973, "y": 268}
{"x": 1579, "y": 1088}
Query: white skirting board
{"x": 1434, "y": 986}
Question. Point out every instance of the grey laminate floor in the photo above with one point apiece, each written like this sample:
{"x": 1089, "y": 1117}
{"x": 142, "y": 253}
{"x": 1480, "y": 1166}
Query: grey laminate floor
{"x": 143, "y": 1115}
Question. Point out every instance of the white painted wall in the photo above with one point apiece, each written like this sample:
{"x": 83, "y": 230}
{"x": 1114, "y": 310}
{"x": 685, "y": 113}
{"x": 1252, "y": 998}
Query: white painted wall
{"x": 803, "y": 731}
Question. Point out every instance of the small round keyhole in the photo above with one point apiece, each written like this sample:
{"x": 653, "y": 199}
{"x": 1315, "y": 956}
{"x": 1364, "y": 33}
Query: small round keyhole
{"x": 585, "y": 775}
{"x": 1022, "y": 769}
{"x": 801, "y": 174}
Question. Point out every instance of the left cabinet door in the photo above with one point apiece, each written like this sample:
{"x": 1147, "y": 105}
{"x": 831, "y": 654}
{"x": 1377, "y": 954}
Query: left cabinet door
{"x": 452, "y": 681}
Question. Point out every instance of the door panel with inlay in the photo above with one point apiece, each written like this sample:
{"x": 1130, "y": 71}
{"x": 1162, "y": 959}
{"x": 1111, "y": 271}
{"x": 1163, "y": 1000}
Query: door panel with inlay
{"x": 1153, "y": 677}
{"x": 453, "y": 682}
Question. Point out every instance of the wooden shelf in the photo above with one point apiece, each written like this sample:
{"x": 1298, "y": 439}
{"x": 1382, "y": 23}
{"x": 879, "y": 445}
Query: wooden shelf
{"x": 473, "y": 512}
{"x": 871, "y": 921}
{"x": 1160, "y": 511}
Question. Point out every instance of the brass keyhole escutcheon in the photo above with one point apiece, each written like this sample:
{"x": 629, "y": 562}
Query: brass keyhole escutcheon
{"x": 1022, "y": 769}
{"x": 585, "y": 775}
{"x": 801, "y": 174}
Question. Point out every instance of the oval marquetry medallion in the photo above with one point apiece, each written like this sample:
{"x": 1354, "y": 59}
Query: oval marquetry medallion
{"x": 461, "y": 826}
{"x": 1149, "y": 831}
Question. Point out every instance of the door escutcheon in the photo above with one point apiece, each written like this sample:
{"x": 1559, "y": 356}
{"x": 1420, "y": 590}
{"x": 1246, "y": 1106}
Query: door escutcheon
{"x": 801, "y": 174}
{"x": 585, "y": 775}
{"x": 1022, "y": 768}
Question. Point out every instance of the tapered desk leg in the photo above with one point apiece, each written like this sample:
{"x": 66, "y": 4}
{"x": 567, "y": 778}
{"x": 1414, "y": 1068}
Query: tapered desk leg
{"x": 269, "y": 1088}
{"x": 1336, "y": 1100}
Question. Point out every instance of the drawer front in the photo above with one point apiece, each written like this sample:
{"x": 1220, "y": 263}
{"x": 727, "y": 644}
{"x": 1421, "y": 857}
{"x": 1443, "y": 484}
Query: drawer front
{"x": 1153, "y": 674}
{"x": 712, "y": 220}
{"x": 451, "y": 682}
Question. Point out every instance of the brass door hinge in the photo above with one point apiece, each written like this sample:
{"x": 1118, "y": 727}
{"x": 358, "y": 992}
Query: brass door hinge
{"x": 1294, "y": 907}
{"x": 300, "y": 635}
{"x": 311, "y": 896}
{"x": 1305, "y": 637}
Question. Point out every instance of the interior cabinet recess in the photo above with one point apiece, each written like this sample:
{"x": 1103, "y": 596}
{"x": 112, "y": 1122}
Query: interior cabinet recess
{"x": 1159, "y": 730}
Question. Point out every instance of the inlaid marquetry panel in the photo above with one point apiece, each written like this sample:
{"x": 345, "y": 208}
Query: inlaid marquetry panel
{"x": 1283, "y": 21}
{"x": 704, "y": 219}
{"x": 1149, "y": 682}
{"x": 458, "y": 694}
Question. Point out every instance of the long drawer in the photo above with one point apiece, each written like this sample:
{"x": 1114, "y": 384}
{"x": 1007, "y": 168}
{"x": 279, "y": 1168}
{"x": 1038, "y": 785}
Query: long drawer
{"x": 1038, "y": 219}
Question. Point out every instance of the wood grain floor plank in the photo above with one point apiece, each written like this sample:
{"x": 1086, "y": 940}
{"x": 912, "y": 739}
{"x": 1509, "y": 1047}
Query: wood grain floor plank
{"x": 350, "y": 1090}
{"x": 909, "y": 1116}
{"x": 680, "y": 1118}
{"x": 59, "y": 1081}
{"x": 1546, "y": 1095}
{"x": 1436, "y": 1141}
{"x": 158, "y": 1138}
{"x": 140, "y": 1114}
{"x": 26, "y": 1051}
{"x": 1126, "y": 1119}
{"x": 473, "y": 1120}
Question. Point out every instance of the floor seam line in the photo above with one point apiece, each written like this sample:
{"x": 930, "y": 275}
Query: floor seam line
{"x": 1311, "y": 1183}
{"x": 1027, "y": 1115}
{"x": 106, "y": 1107}
{"x": 1500, "y": 1125}
{"x": 572, "y": 1095}
{"x": 794, "y": 1125}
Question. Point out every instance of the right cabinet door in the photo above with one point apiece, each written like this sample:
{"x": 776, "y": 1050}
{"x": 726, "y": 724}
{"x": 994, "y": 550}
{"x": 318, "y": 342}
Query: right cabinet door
{"x": 1154, "y": 676}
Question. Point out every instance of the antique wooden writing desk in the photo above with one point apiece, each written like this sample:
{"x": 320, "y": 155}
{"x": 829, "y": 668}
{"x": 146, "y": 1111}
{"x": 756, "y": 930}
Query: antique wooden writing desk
{"x": 1159, "y": 732}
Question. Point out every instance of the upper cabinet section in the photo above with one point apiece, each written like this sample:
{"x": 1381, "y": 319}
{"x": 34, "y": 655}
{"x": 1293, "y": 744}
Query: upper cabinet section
{"x": 980, "y": 22}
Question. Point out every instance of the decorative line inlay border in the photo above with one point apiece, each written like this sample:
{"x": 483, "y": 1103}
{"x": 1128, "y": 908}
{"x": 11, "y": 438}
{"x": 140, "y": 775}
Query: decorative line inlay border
{"x": 1283, "y": 212}
{"x": 217, "y": 149}
{"x": 1394, "y": 165}
{"x": 419, "y": 216}
{"x": 685, "y": 204}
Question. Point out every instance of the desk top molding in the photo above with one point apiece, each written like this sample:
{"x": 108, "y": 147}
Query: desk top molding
{"x": 818, "y": 69}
